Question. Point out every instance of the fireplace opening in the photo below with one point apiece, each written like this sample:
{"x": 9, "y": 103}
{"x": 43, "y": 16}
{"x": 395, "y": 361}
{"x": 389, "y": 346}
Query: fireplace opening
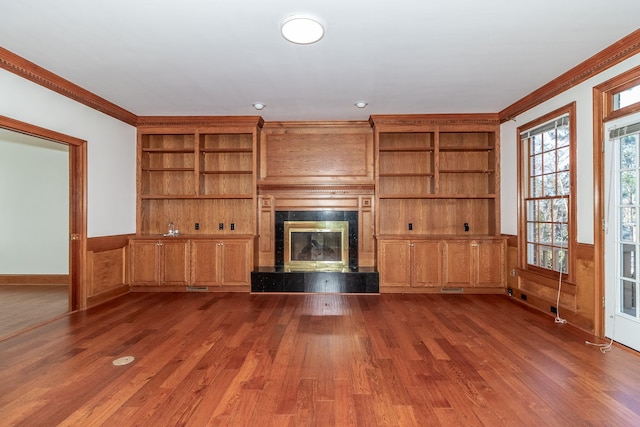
{"x": 316, "y": 245}
{"x": 316, "y": 241}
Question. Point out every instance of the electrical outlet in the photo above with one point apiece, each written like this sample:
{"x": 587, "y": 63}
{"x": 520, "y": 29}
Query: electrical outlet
{"x": 553, "y": 309}
{"x": 197, "y": 226}
{"x": 523, "y": 297}
{"x": 232, "y": 226}
{"x": 221, "y": 226}
{"x": 510, "y": 292}
{"x": 410, "y": 226}
{"x": 466, "y": 226}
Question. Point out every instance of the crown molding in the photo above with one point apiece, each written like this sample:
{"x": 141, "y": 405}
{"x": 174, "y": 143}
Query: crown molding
{"x": 199, "y": 121}
{"x": 434, "y": 119}
{"x": 607, "y": 58}
{"x": 32, "y": 72}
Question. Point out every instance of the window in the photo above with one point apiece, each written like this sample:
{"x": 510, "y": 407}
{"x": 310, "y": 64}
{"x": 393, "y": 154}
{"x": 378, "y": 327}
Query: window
{"x": 547, "y": 178}
{"x": 626, "y": 97}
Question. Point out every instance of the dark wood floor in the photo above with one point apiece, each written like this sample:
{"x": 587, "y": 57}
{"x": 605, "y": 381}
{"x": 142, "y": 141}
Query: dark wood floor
{"x": 25, "y": 306}
{"x": 314, "y": 360}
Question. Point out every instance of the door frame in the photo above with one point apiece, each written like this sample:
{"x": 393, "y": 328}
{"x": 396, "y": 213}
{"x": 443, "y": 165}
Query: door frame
{"x": 603, "y": 113}
{"x": 616, "y": 326}
{"x": 77, "y": 204}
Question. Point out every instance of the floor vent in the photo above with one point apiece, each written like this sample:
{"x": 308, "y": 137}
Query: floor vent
{"x": 197, "y": 288}
{"x": 452, "y": 290}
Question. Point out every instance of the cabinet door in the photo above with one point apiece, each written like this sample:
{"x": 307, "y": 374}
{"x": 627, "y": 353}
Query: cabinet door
{"x": 426, "y": 264}
{"x": 204, "y": 262}
{"x": 490, "y": 263}
{"x": 235, "y": 262}
{"x": 394, "y": 262}
{"x": 144, "y": 263}
{"x": 458, "y": 266}
{"x": 174, "y": 263}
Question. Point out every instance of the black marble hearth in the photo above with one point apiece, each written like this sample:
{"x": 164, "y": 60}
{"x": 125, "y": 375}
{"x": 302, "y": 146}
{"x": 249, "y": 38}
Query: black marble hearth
{"x": 270, "y": 279}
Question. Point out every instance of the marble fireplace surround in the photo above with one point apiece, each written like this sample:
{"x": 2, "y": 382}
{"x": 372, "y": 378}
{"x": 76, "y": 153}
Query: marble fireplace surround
{"x": 275, "y": 279}
{"x": 350, "y": 216}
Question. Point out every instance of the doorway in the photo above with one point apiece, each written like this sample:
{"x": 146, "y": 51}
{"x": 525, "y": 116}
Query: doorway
{"x": 622, "y": 230}
{"x": 76, "y": 231}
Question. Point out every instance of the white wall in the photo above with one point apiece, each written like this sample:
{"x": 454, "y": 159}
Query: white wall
{"x": 582, "y": 94}
{"x": 111, "y": 149}
{"x": 34, "y": 213}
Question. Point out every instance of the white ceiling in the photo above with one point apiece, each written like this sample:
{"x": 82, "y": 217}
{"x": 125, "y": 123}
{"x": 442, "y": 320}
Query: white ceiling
{"x": 217, "y": 57}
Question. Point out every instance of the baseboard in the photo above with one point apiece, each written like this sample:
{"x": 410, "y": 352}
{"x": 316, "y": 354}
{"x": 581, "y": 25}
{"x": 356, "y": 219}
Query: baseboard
{"x": 106, "y": 296}
{"x": 34, "y": 279}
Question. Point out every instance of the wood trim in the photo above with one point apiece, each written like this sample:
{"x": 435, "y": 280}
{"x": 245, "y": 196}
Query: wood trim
{"x": 107, "y": 243}
{"x": 512, "y": 240}
{"x": 199, "y": 121}
{"x": 37, "y": 131}
{"x": 607, "y": 89}
{"x": 95, "y": 300}
{"x": 36, "y": 74}
{"x": 316, "y": 189}
{"x": 34, "y": 279}
{"x": 598, "y": 209}
{"x": 523, "y": 180}
{"x": 602, "y": 114}
{"x": 77, "y": 204}
{"x": 605, "y": 59}
{"x": 434, "y": 119}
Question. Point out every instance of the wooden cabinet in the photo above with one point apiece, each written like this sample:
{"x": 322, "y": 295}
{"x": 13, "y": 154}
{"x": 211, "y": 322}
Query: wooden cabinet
{"x": 442, "y": 264}
{"x": 410, "y": 263}
{"x": 474, "y": 263}
{"x": 159, "y": 262}
{"x": 180, "y": 262}
{"x": 221, "y": 262}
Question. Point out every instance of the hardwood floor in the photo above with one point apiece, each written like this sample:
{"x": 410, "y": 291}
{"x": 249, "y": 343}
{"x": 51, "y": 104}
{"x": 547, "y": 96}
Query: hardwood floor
{"x": 25, "y": 306}
{"x": 314, "y": 360}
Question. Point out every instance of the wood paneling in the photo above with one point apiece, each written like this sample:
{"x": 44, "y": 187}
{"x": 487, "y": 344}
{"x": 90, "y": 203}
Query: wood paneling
{"x": 577, "y": 302}
{"x": 236, "y": 359}
{"x": 106, "y": 268}
{"x": 316, "y": 153}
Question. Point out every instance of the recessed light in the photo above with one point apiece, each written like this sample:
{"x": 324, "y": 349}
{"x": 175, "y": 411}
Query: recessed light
{"x": 258, "y": 105}
{"x": 302, "y": 29}
{"x": 361, "y": 104}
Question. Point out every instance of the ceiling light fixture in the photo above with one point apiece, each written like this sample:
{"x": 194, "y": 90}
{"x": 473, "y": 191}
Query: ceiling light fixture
{"x": 258, "y": 105}
{"x": 361, "y": 104}
{"x": 300, "y": 29}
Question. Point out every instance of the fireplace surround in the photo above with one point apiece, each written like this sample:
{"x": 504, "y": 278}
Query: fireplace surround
{"x": 284, "y": 218}
{"x": 311, "y": 277}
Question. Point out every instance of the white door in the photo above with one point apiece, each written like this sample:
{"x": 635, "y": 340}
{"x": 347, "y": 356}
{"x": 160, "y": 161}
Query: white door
{"x": 622, "y": 230}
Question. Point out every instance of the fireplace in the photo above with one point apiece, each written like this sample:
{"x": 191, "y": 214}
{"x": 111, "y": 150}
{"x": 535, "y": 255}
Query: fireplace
{"x": 316, "y": 245}
{"x": 306, "y": 243}
{"x": 336, "y": 240}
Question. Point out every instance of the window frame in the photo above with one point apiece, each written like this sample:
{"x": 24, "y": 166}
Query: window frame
{"x": 523, "y": 192}
{"x": 630, "y": 80}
